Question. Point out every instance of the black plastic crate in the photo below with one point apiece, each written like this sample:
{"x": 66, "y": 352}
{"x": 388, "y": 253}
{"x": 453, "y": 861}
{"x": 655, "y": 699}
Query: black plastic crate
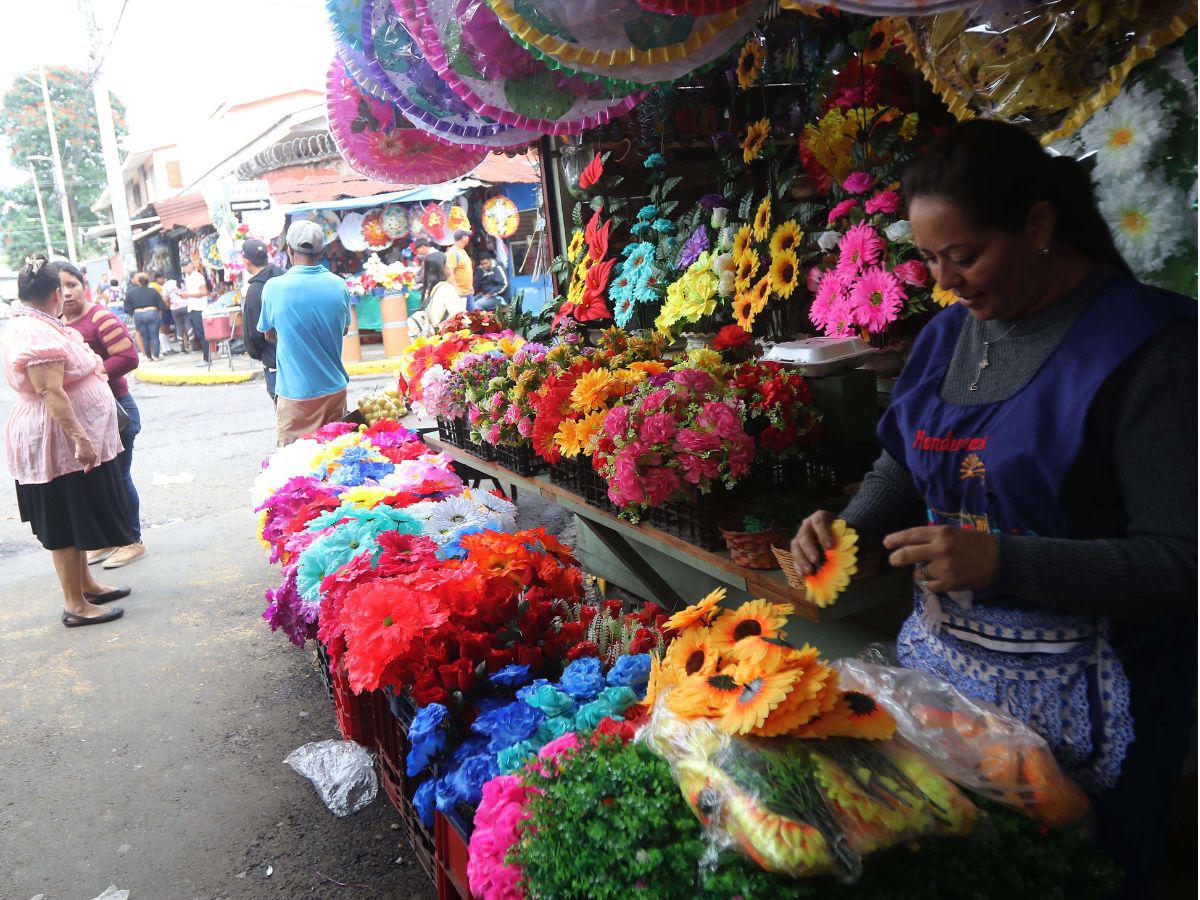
{"x": 591, "y": 486}
{"x": 452, "y": 431}
{"x": 521, "y": 459}
{"x": 565, "y": 474}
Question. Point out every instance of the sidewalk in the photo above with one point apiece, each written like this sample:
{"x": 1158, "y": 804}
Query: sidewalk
{"x": 181, "y": 368}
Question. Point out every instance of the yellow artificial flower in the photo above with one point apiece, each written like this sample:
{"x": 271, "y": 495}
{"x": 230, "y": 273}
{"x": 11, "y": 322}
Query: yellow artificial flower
{"x": 942, "y": 297}
{"x": 841, "y": 561}
{"x": 761, "y": 294}
{"x": 594, "y": 389}
{"x": 567, "y": 438}
{"x": 707, "y": 359}
{"x": 649, "y": 367}
{"x": 262, "y": 527}
{"x": 762, "y": 219}
{"x": 750, "y": 63}
{"x": 366, "y": 496}
{"x": 752, "y": 143}
{"x": 908, "y": 128}
{"x": 785, "y": 273}
{"x": 747, "y": 269}
{"x": 741, "y": 242}
{"x": 744, "y": 312}
{"x": 787, "y": 236}
{"x": 575, "y": 246}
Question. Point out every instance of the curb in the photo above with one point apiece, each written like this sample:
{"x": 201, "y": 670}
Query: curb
{"x": 193, "y": 378}
{"x": 373, "y": 367}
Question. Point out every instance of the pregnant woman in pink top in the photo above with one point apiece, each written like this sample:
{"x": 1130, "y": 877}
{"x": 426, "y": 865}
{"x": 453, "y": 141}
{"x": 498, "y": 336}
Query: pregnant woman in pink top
{"x": 62, "y": 444}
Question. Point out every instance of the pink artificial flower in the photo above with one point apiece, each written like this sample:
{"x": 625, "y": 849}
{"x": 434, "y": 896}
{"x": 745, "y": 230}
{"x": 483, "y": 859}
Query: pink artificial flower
{"x": 884, "y": 202}
{"x": 876, "y": 299}
{"x": 813, "y": 282}
{"x": 860, "y": 246}
{"x": 617, "y": 421}
{"x": 857, "y": 182}
{"x": 912, "y": 271}
{"x": 660, "y": 483}
{"x": 493, "y": 434}
{"x": 658, "y": 428}
{"x": 559, "y": 748}
{"x": 511, "y": 415}
{"x": 654, "y": 400}
{"x": 721, "y": 418}
{"x": 831, "y": 299}
{"x": 525, "y": 427}
{"x": 697, "y": 467}
{"x": 841, "y": 209}
{"x": 502, "y": 812}
{"x": 696, "y": 441}
{"x": 696, "y": 380}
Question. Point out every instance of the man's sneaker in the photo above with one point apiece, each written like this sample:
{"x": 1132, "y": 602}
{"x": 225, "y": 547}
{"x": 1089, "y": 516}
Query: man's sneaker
{"x": 95, "y": 556}
{"x": 125, "y": 555}
{"x": 201, "y": 362}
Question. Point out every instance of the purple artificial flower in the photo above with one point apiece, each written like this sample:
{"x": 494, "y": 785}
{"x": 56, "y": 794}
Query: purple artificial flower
{"x": 696, "y": 244}
{"x": 709, "y": 202}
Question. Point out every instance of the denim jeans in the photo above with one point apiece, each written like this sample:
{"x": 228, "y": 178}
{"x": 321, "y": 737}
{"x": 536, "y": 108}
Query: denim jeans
{"x": 197, "y": 319}
{"x": 132, "y": 503}
{"x": 180, "y": 318}
{"x": 147, "y": 322}
{"x": 270, "y": 374}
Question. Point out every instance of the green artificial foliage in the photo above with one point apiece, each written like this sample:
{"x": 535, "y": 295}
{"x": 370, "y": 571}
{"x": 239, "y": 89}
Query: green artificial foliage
{"x": 613, "y": 823}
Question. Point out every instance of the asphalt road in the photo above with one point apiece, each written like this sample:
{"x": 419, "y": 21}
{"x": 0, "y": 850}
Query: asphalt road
{"x": 147, "y": 753}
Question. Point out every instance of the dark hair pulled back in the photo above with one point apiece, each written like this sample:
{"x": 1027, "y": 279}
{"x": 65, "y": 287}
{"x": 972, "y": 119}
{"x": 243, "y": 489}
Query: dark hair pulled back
{"x": 60, "y": 266}
{"x": 37, "y": 281}
{"x": 996, "y": 173}
{"x": 435, "y": 272}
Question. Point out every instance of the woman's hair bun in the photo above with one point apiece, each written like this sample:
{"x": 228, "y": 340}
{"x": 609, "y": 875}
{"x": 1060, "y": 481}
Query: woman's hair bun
{"x": 36, "y": 281}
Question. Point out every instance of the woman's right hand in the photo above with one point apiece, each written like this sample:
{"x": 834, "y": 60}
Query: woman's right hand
{"x": 814, "y": 536}
{"x": 85, "y": 453}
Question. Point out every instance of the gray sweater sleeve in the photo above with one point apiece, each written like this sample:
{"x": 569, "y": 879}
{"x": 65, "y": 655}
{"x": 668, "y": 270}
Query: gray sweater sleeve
{"x": 1148, "y": 409}
{"x": 887, "y": 501}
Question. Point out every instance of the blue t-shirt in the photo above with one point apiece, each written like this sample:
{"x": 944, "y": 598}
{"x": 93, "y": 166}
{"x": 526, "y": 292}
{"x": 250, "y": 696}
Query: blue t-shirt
{"x": 308, "y": 308}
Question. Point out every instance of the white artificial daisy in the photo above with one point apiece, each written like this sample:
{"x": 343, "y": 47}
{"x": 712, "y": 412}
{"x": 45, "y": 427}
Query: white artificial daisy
{"x": 1147, "y": 218}
{"x": 1124, "y": 134}
{"x": 422, "y": 511}
{"x": 451, "y": 515}
{"x": 284, "y": 464}
{"x": 503, "y": 513}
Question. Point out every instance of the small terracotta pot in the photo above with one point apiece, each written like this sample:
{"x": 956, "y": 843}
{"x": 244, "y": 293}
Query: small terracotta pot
{"x": 752, "y": 549}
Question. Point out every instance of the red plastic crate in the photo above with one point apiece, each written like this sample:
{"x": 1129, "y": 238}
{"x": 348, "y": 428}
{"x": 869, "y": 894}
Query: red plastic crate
{"x": 355, "y": 712}
{"x": 396, "y": 786}
{"x": 450, "y": 841}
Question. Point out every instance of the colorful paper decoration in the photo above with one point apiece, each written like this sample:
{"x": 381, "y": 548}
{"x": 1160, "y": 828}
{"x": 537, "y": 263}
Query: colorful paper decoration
{"x": 375, "y": 141}
{"x": 434, "y": 222}
{"x": 861, "y": 7}
{"x": 350, "y": 233}
{"x": 500, "y": 217}
{"x": 458, "y": 220}
{"x": 469, "y": 48}
{"x": 395, "y": 222}
{"x": 393, "y": 59}
{"x": 345, "y": 18}
{"x": 373, "y": 232}
{"x": 329, "y": 222}
{"x": 689, "y": 7}
{"x": 620, "y": 42}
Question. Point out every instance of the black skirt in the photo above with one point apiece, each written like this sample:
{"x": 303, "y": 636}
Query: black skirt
{"x": 77, "y": 510}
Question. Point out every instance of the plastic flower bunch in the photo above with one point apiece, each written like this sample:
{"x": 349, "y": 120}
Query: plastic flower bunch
{"x": 674, "y": 430}
{"x": 447, "y": 521}
{"x": 778, "y": 407}
{"x": 282, "y": 506}
{"x": 481, "y": 372}
{"x": 349, "y": 531}
{"x": 692, "y": 297}
{"x": 423, "y": 353}
{"x": 610, "y": 633}
{"x": 592, "y": 268}
{"x": 285, "y": 463}
{"x": 287, "y": 610}
{"x": 506, "y": 417}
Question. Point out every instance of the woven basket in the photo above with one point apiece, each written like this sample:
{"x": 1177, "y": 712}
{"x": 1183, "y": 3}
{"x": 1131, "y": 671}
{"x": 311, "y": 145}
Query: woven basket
{"x": 752, "y": 549}
{"x": 787, "y": 563}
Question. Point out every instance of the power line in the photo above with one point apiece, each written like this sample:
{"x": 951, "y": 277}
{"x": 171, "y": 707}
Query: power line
{"x": 112, "y": 37}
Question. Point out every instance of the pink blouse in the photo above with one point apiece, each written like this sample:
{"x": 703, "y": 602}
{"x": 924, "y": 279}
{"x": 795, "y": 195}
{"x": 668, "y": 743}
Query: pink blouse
{"x": 39, "y": 450}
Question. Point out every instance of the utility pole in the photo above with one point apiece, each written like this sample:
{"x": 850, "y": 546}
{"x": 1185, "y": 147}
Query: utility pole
{"x": 60, "y": 180}
{"x": 37, "y": 192}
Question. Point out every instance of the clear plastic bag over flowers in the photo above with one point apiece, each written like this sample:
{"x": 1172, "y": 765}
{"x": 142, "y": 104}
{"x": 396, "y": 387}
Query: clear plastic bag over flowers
{"x": 975, "y": 744}
{"x": 805, "y": 807}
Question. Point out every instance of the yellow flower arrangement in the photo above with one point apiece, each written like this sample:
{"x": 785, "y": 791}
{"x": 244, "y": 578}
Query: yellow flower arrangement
{"x": 575, "y": 245}
{"x": 746, "y": 268}
{"x": 787, "y": 236}
{"x": 831, "y": 140}
{"x": 741, "y": 242}
{"x": 576, "y": 436}
{"x": 366, "y": 496}
{"x": 785, "y": 273}
{"x": 744, "y": 312}
{"x": 707, "y": 359}
{"x": 750, "y": 63}
{"x": 756, "y": 136}
{"x": 691, "y": 297}
{"x": 841, "y": 561}
{"x": 594, "y": 389}
{"x": 761, "y": 294}
{"x": 762, "y": 219}
{"x": 649, "y": 367}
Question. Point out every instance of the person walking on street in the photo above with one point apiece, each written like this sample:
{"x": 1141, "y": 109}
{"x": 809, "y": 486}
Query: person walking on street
{"x": 177, "y": 307}
{"x": 459, "y": 268}
{"x": 491, "y": 283}
{"x": 305, "y": 313}
{"x": 260, "y": 270}
{"x": 62, "y": 444}
{"x": 108, "y": 338}
{"x": 147, "y": 308}
{"x": 195, "y": 289}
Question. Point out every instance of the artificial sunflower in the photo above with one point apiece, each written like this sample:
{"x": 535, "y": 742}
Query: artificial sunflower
{"x": 663, "y": 675}
{"x": 760, "y": 693}
{"x": 744, "y": 312}
{"x": 841, "y": 561}
{"x": 575, "y": 246}
{"x": 693, "y": 652}
{"x": 705, "y": 696}
{"x": 741, "y": 242}
{"x": 815, "y": 691}
{"x": 701, "y": 613}
{"x": 752, "y": 143}
{"x": 754, "y": 617}
{"x": 787, "y": 236}
{"x": 594, "y": 389}
{"x": 855, "y": 715}
{"x": 785, "y": 272}
{"x": 750, "y": 63}
{"x": 762, "y": 219}
{"x": 747, "y": 268}
{"x": 943, "y": 297}
{"x": 761, "y": 293}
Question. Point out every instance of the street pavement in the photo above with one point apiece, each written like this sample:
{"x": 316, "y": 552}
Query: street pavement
{"x": 148, "y": 753}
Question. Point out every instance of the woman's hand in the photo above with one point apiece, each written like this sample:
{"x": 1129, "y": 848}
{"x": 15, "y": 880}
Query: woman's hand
{"x": 814, "y": 536}
{"x": 85, "y": 453}
{"x": 948, "y": 558}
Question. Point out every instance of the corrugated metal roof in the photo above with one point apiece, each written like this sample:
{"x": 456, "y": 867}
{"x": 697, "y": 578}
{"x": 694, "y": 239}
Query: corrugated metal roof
{"x": 187, "y": 211}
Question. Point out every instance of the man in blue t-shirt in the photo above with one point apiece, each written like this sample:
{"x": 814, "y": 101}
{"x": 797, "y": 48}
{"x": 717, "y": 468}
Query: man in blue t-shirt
{"x": 305, "y": 312}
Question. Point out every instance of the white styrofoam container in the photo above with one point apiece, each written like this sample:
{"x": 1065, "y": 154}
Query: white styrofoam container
{"x": 821, "y": 355}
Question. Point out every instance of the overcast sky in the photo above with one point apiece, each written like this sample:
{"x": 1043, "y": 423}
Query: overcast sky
{"x": 172, "y": 62}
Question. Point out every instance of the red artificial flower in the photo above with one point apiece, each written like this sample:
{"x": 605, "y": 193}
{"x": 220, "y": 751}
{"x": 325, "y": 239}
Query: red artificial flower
{"x": 609, "y": 729}
{"x": 731, "y": 336}
{"x": 613, "y": 608}
{"x": 582, "y": 649}
{"x": 644, "y": 640}
{"x": 591, "y": 173}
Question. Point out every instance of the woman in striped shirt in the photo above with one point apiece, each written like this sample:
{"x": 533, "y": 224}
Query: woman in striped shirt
{"x": 107, "y": 335}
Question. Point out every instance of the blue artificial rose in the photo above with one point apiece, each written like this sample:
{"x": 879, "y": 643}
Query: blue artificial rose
{"x": 505, "y": 726}
{"x": 472, "y": 746}
{"x": 427, "y": 737}
{"x": 446, "y": 794}
{"x": 512, "y": 758}
{"x": 590, "y": 715}
{"x": 647, "y": 212}
{"x": 510, "y": 676}
{"x": 550, "y": 700}
{"x": 528, "y": 691}
{"x": 471, "y": 776}
{"x": 582, "y": 679}
{"x": 654, "y": 161}
{"x": 619, "y": 698}
{"x": 423, "y": 800}
{"x": 663, "y": 226}
{"x": 554, "y": 728}
{"x": 631, "y": 671}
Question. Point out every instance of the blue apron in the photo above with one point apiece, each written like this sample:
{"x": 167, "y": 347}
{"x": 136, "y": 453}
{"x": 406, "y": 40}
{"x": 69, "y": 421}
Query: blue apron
{"x": 999, "y": 467}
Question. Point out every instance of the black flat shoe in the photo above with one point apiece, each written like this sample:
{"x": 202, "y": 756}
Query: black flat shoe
{"x": 108, "y": 596}
{"x": 73, "y": 621}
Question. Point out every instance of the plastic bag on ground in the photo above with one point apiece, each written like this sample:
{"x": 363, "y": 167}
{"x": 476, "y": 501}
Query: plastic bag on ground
{"x": 973, "y": 743}
{"x": 342, "y": 772}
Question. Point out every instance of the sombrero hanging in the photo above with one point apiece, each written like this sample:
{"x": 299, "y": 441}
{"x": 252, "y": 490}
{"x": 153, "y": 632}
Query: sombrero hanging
{"x": 500, "y": 217}
{"x": 395, "y": 222}
{"x": 622, "y": 43}
{"x": 345, "y": 18}
{"x": 350, "y": 233}
{"x": 469, "y": 48}
{"x": 1049, "y": 69}
{"x": 434, "y": 223}
{"x": 375, "y": 140}
{"x": 394, "y": 60}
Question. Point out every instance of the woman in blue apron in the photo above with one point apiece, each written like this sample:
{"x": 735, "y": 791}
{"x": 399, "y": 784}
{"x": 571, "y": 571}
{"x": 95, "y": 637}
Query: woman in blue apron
{"x": 1043, "y": 430}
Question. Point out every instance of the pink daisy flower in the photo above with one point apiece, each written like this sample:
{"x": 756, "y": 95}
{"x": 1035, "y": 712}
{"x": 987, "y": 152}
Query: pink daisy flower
{"x": 860, "y": 246}
{"x": 841, "y": 209}
{"x": 831, "y": 295}
{"x": 884, "y": 202}
{"x": 857, "y": 182}
{"x": 876, "y": 299}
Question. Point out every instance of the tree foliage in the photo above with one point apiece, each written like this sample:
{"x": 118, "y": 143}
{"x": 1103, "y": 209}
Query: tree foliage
{"x": 83, "y": 162}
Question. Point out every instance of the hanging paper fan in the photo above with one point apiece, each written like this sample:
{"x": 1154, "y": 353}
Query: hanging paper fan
{"x": 329, "y": 222}
{"x": 392, "y": 59}
{"x": 500, "y": 217}
{"x": 860, "y": 7}
{"x": 373, "y": 232}
{"x": 620, "y": 42}
{"x": 345, "y": 18}
{"x": 458, "y": 220}
{"x": 210, "y": 252}
{"x": 690, "y": 7}
{"x": 395, "y": 222}
{"x": 1050, "y": 70}
{"x": 468, "y": 47}
{"x": 434, "y": 222}
{"x": 374, "y": 140}
{"x": 350, "y": 233}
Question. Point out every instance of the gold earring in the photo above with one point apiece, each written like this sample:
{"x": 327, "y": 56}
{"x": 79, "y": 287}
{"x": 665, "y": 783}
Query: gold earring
{"x": 1045, "y": 251}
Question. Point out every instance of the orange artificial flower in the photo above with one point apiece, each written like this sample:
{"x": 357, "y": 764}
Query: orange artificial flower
{"x": 701, "y": 613}
{"x": 856, "y": 715}
{"x": 752, "y": 618}
{"x": 693, "y": 653}
{"x": 841, "y": 561}
{"x": 705, "y": 696}
{"x": 760, "y": 693}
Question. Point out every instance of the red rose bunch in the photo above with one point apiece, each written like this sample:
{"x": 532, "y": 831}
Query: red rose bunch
{"x": 778, "y": 407}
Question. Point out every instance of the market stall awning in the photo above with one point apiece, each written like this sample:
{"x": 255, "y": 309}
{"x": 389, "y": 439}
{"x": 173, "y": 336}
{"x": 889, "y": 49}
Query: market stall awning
{"x": 185, "y": 211}
{"x": 501, "y": 169}
{"x": 438, "y": 193}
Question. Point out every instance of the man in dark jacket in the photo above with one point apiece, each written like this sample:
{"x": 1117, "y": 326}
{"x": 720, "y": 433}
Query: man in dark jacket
{"x": 260, "y": 270}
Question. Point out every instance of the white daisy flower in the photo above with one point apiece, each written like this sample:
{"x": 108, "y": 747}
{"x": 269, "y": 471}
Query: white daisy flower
{"x": 1147, "y": 218}
{"x": 1125, "y": 133}
{"x": 284, "y": 464}
{"x": 451, "y": 515}
{"x": 422, "y": 511}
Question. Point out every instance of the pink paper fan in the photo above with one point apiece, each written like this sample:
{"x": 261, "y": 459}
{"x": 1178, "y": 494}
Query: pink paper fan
{"x": 690, "y": 7}
{"x": 375, "y": 139}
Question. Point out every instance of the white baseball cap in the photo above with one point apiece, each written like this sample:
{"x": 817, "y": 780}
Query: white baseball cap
{"x": 306, "y": 236}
